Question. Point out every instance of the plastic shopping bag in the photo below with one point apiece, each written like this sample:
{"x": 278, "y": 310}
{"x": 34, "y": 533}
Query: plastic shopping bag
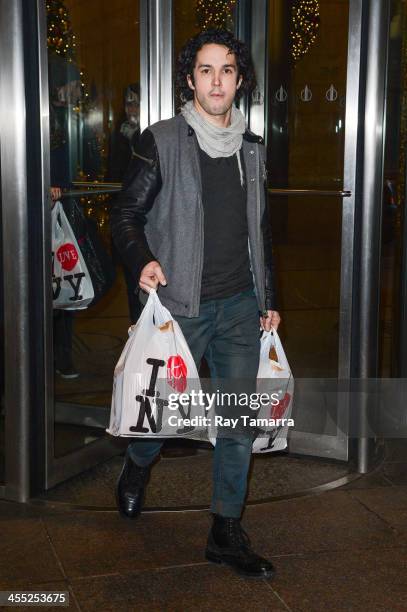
{"x": 71, "y": 283}
{"x": 153, "y": 380}
{"x": 275, "y": 379}
{"x": 97, "y": 259}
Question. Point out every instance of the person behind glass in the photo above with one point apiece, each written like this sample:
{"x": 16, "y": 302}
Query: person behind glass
{"x": 190, "y": 206}
{"x": 123, "y": 143}
{"x": 65, "y": 91}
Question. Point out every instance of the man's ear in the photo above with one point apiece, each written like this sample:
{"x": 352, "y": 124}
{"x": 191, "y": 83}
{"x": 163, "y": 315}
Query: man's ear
{"x": 239, "y": 82}
{"x": 189, "y": 81}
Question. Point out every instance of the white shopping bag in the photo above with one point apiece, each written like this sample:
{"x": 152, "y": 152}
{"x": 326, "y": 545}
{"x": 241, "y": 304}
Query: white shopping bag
{"x": 154, "y": 380}
{"x": 274, "y": 378}
{"x": 272, "y": 404}
{"x": 71, "y": 283}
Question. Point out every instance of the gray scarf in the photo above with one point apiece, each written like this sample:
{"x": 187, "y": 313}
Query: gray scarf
{"x": 217, "y": 141}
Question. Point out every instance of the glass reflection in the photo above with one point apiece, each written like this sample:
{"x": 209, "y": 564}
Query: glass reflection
{"x": 305, "y": 146}
{"x": 94, "y": 91}
{"x": 393, "y": 195}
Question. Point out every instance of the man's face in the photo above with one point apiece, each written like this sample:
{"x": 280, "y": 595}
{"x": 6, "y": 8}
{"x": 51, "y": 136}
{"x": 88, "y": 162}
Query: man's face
{"x": 69, "y": 94}
{"x": 132, "y": 110}
{"x": 215, "y": 79}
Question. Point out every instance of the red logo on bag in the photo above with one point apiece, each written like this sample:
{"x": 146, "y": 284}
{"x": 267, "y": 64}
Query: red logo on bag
{"x": 279, "y": 409}
{"x": 67, "y": 256}
{"x": 177, "y": 373}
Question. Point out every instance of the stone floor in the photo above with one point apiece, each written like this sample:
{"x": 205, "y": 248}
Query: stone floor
{"x": 344, "y": 549}
{"x": 182, "y": 479}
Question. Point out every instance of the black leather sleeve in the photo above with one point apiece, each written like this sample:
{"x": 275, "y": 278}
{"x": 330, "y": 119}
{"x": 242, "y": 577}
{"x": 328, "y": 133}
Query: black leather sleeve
{"x": 271, "y": 301}
{"x": 141, "y": 185}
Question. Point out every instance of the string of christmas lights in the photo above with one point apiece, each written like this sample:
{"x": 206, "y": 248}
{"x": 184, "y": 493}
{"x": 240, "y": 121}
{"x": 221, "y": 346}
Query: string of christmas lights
{"x": 61, "y": 39}
{"x": 214, "y": 13}
{"x": 305, "y": 25}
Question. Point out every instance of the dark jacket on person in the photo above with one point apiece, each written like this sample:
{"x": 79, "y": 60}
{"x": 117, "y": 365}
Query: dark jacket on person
{"x": 120, "y": 153}
{"x": 158, "y": 215}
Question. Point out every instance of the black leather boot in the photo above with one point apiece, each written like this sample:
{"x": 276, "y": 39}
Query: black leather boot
{"x": 130, "y": 488}
{"x": 228, "y": 543}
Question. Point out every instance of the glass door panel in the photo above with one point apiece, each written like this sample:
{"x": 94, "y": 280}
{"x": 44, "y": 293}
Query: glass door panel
{"x": 94, "y": 93}
{"x": 391, "y": 332}
{"x": 307, "y": 75}
{"x": 2, "y": 401}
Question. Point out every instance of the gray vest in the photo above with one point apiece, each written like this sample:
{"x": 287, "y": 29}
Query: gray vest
{"x": 174, "y": 228}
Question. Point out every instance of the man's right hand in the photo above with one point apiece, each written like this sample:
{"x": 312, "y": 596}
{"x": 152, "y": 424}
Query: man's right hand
{"x": 55, "y": 193}
{"x": 151, "y": 276}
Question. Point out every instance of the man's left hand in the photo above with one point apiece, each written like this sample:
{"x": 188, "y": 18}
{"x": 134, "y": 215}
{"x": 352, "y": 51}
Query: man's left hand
{"x": 271, "y": 320}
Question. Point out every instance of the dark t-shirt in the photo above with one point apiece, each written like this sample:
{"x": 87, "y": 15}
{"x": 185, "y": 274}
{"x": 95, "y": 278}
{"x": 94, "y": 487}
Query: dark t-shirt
{"x": 226, "y": 268}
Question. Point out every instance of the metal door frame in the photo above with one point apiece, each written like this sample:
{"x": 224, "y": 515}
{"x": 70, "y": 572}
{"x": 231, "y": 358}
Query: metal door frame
{"x": 15, "y": 260}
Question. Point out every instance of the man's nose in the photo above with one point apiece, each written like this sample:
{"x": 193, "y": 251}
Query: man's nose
{"x": 216, "y": 79}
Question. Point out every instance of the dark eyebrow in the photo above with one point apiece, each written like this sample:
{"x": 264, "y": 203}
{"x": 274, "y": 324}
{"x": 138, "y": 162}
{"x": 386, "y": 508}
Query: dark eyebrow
{"x": 210, "y": 66}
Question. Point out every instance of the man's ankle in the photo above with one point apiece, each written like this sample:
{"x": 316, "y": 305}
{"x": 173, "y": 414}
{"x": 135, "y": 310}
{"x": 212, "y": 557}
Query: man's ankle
{"x": 137, "y": 462}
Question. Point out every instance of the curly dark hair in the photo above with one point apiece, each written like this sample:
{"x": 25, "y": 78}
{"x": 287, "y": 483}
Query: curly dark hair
{"x": 187, "y": 57}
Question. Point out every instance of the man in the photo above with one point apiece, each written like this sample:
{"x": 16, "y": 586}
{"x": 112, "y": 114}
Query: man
{"x": 122, "y": 145}
{"x": 192, "y": 221}
{"x": 125, "y": 135}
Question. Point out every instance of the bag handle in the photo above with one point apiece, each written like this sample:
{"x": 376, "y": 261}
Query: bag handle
{"x": 273, "y": 332}
{"x": 277, "y": 340}
{"x": 56, "y": 214}
{"x": 282, "y": 358}
{"x": 147, "y": 313}
{"x": 161, "y": 314}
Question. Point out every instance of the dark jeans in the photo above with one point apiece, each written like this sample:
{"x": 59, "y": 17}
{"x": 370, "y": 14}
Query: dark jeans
{"x": 226, "y": 332}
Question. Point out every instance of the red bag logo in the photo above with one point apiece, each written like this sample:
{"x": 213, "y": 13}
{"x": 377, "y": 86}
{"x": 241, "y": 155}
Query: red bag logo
{"x": 177, "y": 373}
{"x": 279, "y": 409}
{"x": 67, "y": 256}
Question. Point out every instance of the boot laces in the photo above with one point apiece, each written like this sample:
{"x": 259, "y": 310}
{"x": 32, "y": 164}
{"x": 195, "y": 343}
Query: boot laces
{"x": 237, "y": 534}
{"x": 137, "y": 475}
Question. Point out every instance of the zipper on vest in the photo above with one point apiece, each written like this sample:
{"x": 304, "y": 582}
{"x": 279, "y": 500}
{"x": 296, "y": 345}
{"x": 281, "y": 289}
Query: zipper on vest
{"x": 251, "y": 264}
{"x": 201, "y": 228}
{"x": 201, "y": 247}
{"x": 257, "y": 240}
{"x": 262, "y": 270}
